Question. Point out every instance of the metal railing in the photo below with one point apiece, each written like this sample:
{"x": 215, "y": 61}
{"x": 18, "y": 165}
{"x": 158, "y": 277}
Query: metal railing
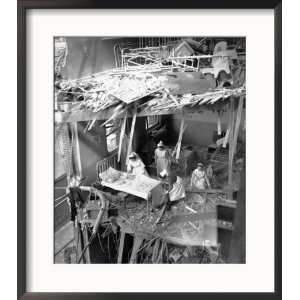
{"x": 104, "y": 164}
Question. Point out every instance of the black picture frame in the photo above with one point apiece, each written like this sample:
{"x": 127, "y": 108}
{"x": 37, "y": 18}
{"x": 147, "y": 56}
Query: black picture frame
{"x": 23, "y": 7}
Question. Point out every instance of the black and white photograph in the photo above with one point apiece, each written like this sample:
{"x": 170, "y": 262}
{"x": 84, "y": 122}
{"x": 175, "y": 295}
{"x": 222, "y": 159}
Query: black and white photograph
{"x": 149, "y": 150}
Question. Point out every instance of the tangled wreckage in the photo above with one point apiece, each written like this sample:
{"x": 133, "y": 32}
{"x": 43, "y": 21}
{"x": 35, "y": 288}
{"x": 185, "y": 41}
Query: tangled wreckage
{"x": 113, "y": 218}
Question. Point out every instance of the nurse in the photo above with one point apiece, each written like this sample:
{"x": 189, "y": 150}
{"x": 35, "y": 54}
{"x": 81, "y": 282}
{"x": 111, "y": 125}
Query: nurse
{"x": 177, "y": 191}
{"x": 162, "y": 158}
{"x": 199, "y": 178}
{"x": 135, "y": 165}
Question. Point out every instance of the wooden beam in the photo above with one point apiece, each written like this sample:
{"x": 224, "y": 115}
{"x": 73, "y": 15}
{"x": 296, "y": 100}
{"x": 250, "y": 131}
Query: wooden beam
{"x": 237, "y": 249}
{"x": 81, "y": 116}
{"x": 178, "y": 145}
{"x": 131, "y": 135}
{"x": 123, "y": 127}
{"x": 88, "y": 115}
{"x": 237, "y": 123}
{"x": 155, "y": 251}
{"x": 76, "y": 150}
{"x": 121, "y": 247}
{"x": 231, "y": 150}
{"x": 137, "y": 242}
{"x": 77, "y": 238}
{"x": 86, "y": 240}
{"x": 233, "y": 141}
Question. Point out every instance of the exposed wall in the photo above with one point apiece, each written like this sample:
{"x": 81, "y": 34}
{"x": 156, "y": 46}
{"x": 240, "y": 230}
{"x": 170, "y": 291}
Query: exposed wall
{"x": 93, "y": 147}
{"x": 85, "y": 57}
{"x": 201, "y": 126}
{"x": 140, "y": 134}
{"x": 89, "y": 55}
{"x": 61, "y": 208}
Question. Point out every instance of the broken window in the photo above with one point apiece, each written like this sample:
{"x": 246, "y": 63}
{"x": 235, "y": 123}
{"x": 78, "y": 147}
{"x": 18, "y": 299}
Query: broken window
{"x": 112, "y": 136}
{"x": 152, "y": 121}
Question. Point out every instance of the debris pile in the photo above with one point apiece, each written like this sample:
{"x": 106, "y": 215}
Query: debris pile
{"x": 156, "y": 79}
{"x": 169, "y": 102}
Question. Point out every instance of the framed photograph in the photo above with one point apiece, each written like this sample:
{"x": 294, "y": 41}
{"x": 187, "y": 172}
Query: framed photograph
{"x": 149, "y": 150}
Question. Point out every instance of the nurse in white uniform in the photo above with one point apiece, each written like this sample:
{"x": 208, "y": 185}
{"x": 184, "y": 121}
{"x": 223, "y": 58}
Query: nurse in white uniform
{"x": 136, "y": 166}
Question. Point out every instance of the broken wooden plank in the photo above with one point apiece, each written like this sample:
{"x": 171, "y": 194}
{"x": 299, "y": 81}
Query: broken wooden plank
{"x": 121, "y": 247}
{"x": 86, "y": 242}
{"x": 226, "y": 138}
{"x": 237, "y": 249}
{"x": 219, "y": 128}
{"x": 131, "y": 134}
{"x": 237, "y": 124}
{"x": 155, "y": 250}
{"x": 87, "y": 115}
{"x": 127, "y": 99}
{"x": 77, "y": 238}
{"x": 76, "y": 150}
{"x": 137, "y": 242}
{"x": 231, "y": 150}
{"x": 178, "y": 145}
{"x": 122, "y": 136}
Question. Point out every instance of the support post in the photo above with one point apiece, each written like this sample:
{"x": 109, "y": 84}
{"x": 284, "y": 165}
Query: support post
{"x": 237, "y": 250}
{"x": 237, "y": 123}
{"x": 76, "y": 150}
{"x": 122, "y": 136}
{"x": 137, "y": 242}
{"x": 131, "y": 134}
{"x": 86, "y": 240}
{"x": 155, "y": 251}
{"x": 121, "y": 247}
{"x": 233, "y": 140}
{"x": 77, "y": 238}
{"x": 230, "y": 156}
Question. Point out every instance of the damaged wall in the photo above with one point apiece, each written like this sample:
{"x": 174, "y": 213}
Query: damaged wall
{"x": 93, "y": 147}
{"x": 86, "y": 55}
{"x": 201, "y": 126}
{"x": 89, "y": 55}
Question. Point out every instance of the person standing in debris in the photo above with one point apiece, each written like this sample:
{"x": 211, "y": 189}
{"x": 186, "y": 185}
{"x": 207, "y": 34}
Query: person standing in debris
{"x": 75, "y": 197}
{"x": 162, "y": 158}
{"x": 135, "y": 165}
{"x": 177, "y": 190}
{"x": 159, "y": 194}
{"x": 199, "y": 178}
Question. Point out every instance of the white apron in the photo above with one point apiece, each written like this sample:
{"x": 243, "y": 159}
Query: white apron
{"x": 198, "y": 179}
{"x": 136, "y": 167}
{"x": 178, "y": 191}
{"x": 162, "y": 160}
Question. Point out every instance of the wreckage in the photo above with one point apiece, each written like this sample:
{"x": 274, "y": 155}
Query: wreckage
{"x": 150, "y": 81}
